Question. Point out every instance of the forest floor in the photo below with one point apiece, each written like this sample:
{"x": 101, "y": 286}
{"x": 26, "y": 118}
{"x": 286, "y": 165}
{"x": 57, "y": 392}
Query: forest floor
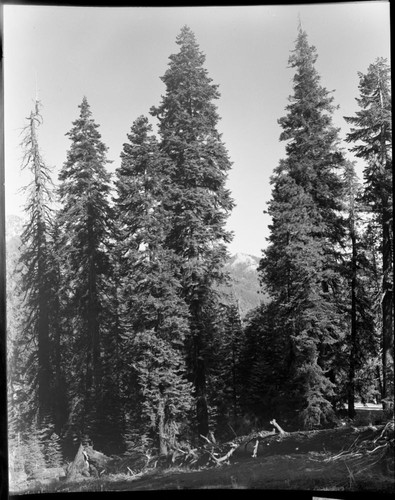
{"x": 347, "y": 458}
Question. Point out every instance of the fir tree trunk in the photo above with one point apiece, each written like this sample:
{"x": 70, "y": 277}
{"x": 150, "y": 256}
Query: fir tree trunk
{"x": 351, "y": 374}
{"x": 234, "y": 381}
{"x": 199, "y": 374}
{"x": 93, "y": 329}
{"x": 379, "y": 380}
{"x": 161, "y": 428}
{"x": 201, "y": 390}
{"x": 44, "y": 363}
{"x": 93, "y": 320}
{"x": 201, "y": 402}
{"x": 60, "y": 408}
{"x": 387, "y": 309}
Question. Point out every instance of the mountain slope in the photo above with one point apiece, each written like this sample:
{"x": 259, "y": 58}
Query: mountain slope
{"x": 244, "y": 282}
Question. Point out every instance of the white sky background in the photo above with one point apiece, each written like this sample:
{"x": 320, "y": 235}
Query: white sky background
{"x": 116, "y": 56}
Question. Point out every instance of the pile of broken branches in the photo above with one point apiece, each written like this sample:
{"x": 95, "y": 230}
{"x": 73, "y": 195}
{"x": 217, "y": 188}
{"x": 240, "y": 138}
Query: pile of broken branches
{"x": 215, "y": 454}
{"x": 89, "y": 462}
{"x": 367, "y": 454}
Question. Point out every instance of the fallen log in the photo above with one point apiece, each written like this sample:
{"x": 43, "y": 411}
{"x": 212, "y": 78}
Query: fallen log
{"x": 328, "y": 440}
{"x": 256, "y": 436}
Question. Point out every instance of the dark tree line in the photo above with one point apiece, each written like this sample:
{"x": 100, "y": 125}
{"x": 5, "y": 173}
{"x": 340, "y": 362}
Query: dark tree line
{"x": 126, "y": 338}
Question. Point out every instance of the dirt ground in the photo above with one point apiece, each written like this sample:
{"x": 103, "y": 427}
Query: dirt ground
{"x": 299, "y": 461}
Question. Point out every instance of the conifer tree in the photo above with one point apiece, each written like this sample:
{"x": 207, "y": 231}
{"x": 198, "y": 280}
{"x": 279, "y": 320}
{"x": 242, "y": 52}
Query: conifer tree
{"x": 266, "y": 362}
{"x": 54, "y": 456}
{"x": 357, "y": 298}
{"x": 17, "y": 349}
{"x": 233, "y": 331}
{"x": 83, "y": 251}
{"x": 154, "y": 318}
{"x": 35, "y": 460}
{"x": 36, "y": 268}
{"x": 371, "y": 134}
{"x": 58, "y": 339}
{"x": 199, "y": 201}
{"x": 299, "y": 265}
{"x": 351, "y": 187}
{"x": 112, "y": 422}
{"x": 224, "y": 388}
{"x": 250, "y": 353}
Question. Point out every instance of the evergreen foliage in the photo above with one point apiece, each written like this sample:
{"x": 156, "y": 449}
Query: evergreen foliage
{"x": 121, "y": 330}
{"x": 35, "y": 461}
{"x": 154, "y": 317}
{"x": 371, "y": 136}
{"x": 35, "y": 262}
{"x": 299, "y": 265}
{"x": 113, "y": 365}
{"x": 18, "y": 454}
{"x": 198, "y": 201}
{"x": 356, "y": 294}
{"x": 224, "y": 387}
{"x": 83, "y": 222}
{"x": 14, "y": 296}
{"x": 59, "y": 341}
{"x": 54, "y": 457}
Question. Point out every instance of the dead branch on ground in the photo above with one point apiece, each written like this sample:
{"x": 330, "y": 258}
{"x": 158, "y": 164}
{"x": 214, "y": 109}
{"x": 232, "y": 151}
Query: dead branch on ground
{"x": 275, "y": 424}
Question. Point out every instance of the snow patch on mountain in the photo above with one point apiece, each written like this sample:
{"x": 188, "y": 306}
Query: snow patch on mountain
{"x": 249, "y": 262}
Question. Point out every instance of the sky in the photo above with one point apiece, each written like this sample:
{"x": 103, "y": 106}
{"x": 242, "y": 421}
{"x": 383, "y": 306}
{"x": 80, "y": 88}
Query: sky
{"x": 115, "y": 57}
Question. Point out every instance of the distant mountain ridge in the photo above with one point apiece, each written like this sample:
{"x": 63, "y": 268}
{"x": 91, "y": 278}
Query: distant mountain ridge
{"x": 244, "y": 282}
{"x": 242, "y": 268}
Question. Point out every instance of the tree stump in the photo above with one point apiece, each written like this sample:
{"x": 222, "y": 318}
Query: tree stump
{"x": 79, "y": 466}
{"x": 87, "y": 462}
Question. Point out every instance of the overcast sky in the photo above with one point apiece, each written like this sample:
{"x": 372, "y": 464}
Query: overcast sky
{"x": 116, "y": 56}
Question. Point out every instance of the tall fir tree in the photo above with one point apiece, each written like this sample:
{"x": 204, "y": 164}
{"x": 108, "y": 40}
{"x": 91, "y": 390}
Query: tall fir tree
{"x": 357, "y": 299}
{"x": 36, "y": 268}
{"x": 299, "y": 265}
{"x": 17, "y": 349}
{"x": 224, "y": 388}
{"x": 83, "y": 251}
{"x": 113, "y": 362}
{"x": 371, "y": 133}
{"x": 266, "y": 360}
{"x": 58, "y": 338}
{"x": 199, "y": 202}
{"x": 154, "y": 318}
